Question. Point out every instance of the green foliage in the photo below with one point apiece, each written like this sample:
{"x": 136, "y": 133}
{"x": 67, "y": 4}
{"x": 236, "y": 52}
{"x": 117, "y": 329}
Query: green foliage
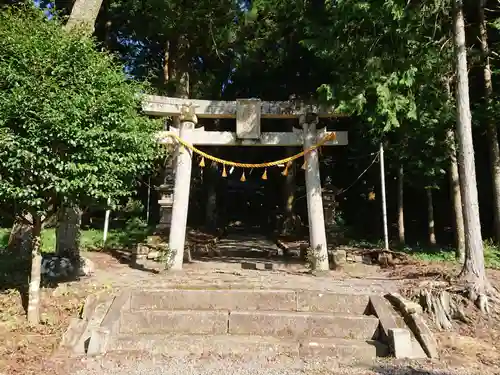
{"x": 390, "y": 61}
{"x": 491, "y": 254}
{"x": 150, "y": 26}
{"x": 441, "y": 254}
{"x": 4, "y": 238}
{"x": 71, "y": 131}
{"x": 134, "y": 232}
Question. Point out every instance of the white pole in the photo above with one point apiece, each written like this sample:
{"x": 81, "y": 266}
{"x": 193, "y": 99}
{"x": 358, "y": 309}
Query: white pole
{"x": 106, "y": 223}
{"x": 317, "y": 233}
{"x": 384, "y": 203}
{"x": 180, "y": 207}
{"x": 149, "y": 200}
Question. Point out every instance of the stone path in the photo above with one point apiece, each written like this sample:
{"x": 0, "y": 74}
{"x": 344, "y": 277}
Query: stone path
{"x": 226, "y": 271}
{"x": 231, "y": 275}
{"x": 242, "y": 245}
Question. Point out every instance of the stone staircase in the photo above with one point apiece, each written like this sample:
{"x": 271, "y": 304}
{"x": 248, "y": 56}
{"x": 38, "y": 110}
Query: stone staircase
{"x": 257, "y": 322}
{"x": 246, "y": 323}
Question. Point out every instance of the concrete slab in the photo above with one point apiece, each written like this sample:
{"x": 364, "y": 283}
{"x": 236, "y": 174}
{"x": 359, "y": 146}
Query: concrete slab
{"x": 383, "y": 310}
{"x": 267, "y": 266}
{"x": 294, "y": 325}
{"x": 99, "y": 339}
{"x": 424, "y": 335}
{"x": 342, "y": 348}
{"x": 120, "y": 303}
{"x": 94, "y": 321}
{"x": 418, "y": 351}
{"x": 220, "y": 345}
{"x": 401, "y": 344}
{"x": 179, "y": 299}
{"x": 100, "y": 336}
{"x": 249, "y": 347}
{"x": 332, "y": 302}
{"x": 73, "y": 333}
{"x": 175, "y": 321}
{"x": 249, "y": 265}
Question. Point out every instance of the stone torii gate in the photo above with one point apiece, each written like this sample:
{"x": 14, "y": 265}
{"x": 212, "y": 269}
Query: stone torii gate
{"x": 248, "y": 113}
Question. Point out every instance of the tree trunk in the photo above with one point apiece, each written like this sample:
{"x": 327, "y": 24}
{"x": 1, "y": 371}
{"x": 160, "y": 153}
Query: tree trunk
{"x": 491, "y": 127}
{"x": 289, "y": 222}
{"x": 36, "y": 266}
{"x": 401, "y": 217}
{"x": 83, "y": 15}
{"x": 175, "y": 69}
{"x": 430, "y": 218}
{"x": 21, "y": 236}
{"x": 289, "y": 186}
{"x": 473, "y": 271}
{"x": 103, "y": 26}
{"x": 457, "y": 199}
{"x": 211, "y": 173}
{"x": 68, "y": 233}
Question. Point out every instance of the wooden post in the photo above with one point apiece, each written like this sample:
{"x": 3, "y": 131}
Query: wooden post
{"x": 317, "y": 233}
{"x": 148, "y": 204}
{"x": 183, "y": 166}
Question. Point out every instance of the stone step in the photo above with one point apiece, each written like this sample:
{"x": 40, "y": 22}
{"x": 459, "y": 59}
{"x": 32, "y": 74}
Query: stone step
{"x": 267, "y": 323}
{"x": 302, "y": 324}
{"x": 249, "y": 347}
{"x": 248, "y": 299}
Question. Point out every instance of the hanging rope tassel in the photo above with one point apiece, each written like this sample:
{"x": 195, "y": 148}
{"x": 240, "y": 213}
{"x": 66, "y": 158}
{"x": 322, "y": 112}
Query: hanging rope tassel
{"x": 243, "y": 178}
{"x": 224, "y": 173}
{"x": 202, "y": 162}
{"x": 264, "y": 175}
{"x": 285, "y": 172}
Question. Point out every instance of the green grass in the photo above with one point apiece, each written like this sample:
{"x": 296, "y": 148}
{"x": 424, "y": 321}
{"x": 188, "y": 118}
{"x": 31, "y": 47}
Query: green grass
{"x": 491, "y": 252}
{"x": 14, "y": 269}
{"x": 91, "y": 239}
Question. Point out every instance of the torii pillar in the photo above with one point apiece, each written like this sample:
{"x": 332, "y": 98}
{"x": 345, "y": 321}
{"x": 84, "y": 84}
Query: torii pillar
{"x": 183, "y": 167}
{"x": 315, "y": 214}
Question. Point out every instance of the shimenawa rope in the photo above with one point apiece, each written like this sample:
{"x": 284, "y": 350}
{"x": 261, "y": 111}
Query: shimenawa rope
{"x": 328, "y": 137}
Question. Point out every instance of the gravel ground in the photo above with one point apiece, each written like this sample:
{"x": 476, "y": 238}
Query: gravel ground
{"x": 232, "y": 367}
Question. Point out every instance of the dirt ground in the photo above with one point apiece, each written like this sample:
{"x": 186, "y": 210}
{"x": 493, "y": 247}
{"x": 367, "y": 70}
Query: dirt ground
{"x": 28, "y": 350}
{"x": 474, "y": 344}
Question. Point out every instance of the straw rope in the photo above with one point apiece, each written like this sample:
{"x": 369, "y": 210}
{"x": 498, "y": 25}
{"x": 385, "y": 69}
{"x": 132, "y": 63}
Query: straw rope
{"x": 328, "y": 137}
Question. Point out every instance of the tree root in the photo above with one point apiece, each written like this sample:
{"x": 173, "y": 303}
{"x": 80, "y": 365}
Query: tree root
{"x": 480, "y": 295}
{"x": 446, "y": 302}
{"x": 443, "y": 307}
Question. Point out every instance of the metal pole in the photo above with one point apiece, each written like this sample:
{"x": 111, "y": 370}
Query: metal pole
{"x": 384, "y": 203}
{"x": 106, "y": 223}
